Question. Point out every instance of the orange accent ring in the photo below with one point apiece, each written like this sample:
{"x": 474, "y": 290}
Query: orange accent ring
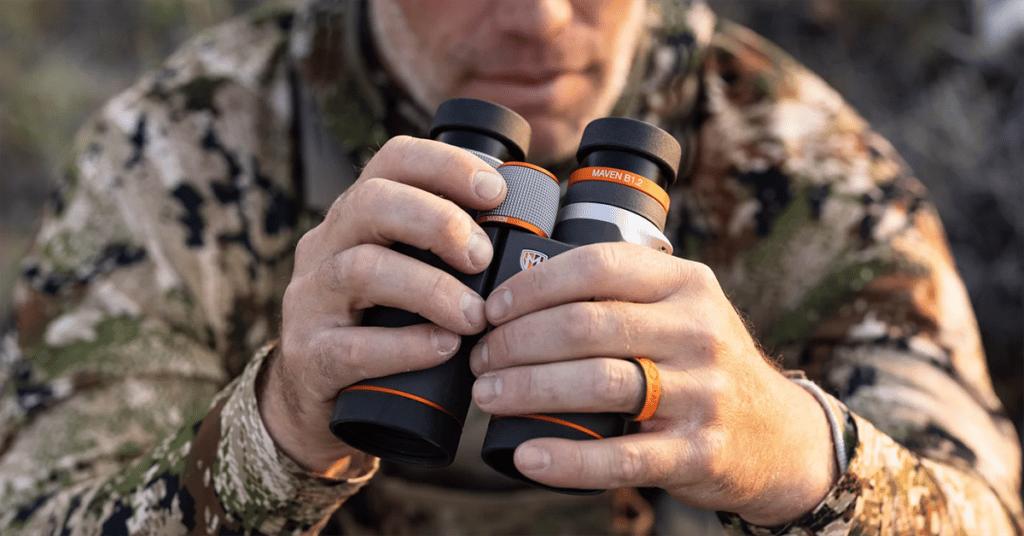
{"x": 390, "y": 391}
{"x": 618, "y": 176}
{"x": 652, "y": 388}
{"x": 512, "y": 221}
{"x": 531, "y": 166}
{"x": 556, "y": 420}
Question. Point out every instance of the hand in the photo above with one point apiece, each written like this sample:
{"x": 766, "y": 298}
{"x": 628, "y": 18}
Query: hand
{"x": 730, "y": 433}
{"x": 344, "y": 266}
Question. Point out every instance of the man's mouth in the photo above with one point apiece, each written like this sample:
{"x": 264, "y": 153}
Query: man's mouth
{"x": 530, "y": 90}
{"x": 524, "y": 78}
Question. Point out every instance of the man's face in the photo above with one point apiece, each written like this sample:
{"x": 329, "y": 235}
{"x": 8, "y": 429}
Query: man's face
{"x": 559, "y": 63}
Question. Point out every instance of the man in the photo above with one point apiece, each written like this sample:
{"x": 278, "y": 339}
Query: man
{"x": 164, "y": 265}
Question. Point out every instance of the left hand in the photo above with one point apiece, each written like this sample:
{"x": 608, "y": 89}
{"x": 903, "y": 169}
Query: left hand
{"x": 731, "y": 433}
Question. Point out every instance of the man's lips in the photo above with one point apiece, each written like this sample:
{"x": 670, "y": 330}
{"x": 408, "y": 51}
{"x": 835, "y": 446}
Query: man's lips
{"x": 524, "y": 79}
{"x": 526, "y": 90}
{"x": 530, "y": 77}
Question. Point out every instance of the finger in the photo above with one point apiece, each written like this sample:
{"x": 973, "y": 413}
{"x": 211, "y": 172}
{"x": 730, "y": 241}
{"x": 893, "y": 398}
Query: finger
{"x": 334, "y": 359}
{"x": 368, "y": 275}
{"x": 638, "y": 460}
{"x": 383, "y": 212}
{"x": 587, "y": 386}
{"x": 585, "y": 329}
{"x": 438, "y": 168}
{"x": 618, "y": 271}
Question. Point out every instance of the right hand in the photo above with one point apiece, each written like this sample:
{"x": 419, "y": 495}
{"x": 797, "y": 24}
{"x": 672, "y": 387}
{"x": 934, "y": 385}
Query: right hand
{"x": 409, "y": 192}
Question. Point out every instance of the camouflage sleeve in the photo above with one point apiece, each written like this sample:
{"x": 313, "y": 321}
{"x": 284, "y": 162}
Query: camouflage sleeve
{"x": 154, "y": 279}
{"x": 824, "y": 238}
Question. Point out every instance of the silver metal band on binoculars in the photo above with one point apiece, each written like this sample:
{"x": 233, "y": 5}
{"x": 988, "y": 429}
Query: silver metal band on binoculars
{"x": 634, "y": 228}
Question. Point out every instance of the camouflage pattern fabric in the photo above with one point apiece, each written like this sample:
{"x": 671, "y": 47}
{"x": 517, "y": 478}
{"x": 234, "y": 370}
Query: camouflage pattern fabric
{"x": 147, "y": 302}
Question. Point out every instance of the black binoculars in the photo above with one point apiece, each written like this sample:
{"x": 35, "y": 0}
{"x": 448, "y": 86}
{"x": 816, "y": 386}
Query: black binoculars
{"x": 617, "y": 194}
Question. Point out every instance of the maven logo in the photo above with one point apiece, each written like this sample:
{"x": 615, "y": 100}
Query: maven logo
{"x": 530, "y": 258}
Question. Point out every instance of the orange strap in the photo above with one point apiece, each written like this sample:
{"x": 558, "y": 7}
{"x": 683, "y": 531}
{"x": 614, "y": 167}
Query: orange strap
{"x": 652, "y": 387}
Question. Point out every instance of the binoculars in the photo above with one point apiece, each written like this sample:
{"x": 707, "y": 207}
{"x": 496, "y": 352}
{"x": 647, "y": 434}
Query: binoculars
{"x": 617, "y": 194}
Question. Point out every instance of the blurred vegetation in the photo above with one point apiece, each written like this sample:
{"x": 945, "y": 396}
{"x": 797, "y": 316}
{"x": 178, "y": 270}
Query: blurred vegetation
{"x": 59, "y": 61}
{"x": 941, "y": 79}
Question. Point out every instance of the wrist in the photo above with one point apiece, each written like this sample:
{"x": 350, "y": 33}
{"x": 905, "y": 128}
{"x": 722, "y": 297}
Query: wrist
{"x": 318, "y": 453}
{"x": 805, "y": 467}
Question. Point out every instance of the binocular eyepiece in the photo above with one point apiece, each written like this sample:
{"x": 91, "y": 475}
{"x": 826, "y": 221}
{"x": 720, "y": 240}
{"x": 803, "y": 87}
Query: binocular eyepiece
{"x": 617, "y": 194}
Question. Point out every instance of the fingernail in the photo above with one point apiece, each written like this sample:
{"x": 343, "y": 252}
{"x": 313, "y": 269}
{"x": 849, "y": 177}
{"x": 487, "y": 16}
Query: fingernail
{"x": 499, "y": 303}
{"x": 473, "y": 308}
{"x": 487, "y": 184}
{"x": 445, "y": 341}
{"x": 486, "y": 389}
{"x": 478, "y": 358}
{"x": 480, "y": 250}
{"x": 531, "y": 458}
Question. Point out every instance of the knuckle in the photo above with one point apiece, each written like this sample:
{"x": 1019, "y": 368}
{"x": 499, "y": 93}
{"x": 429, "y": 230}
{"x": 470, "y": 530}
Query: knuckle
{"x": 583, "y": 322}
{"x": 372, "y": 193}
{"x": 353, "y": 268}
{"x": 329, "y": 273}
{"x": 351, "y": 353}
{"x": 717, "y": 385}
{"x": 538, "y": 281}
{"x": 307, "y": 245}
{"x": 630, "y": 466}
{"x": 454, "y": 161}
{"x": 598, "y": 260}
{"x": 700, "y": 275}
{"x": 498, "y": 346}
{"x": 521, "y": 384}
{"x": 640, "y": 465}
{"x": 342, "y": 206}
{"x": 324, "y": 354}
{"x": 396, "y": 146}
{"x": 437, "y": 289}
{"x": 706, "y": 344}
{"x": 451, "y": 224}
{"x": 613, "y": 385}
{"x": 705, "y": 462}
{"x": 338, "y": 205}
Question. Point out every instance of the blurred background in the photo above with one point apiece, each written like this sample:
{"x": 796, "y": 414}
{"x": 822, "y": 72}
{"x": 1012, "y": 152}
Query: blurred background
{"x": 943, "y": 80}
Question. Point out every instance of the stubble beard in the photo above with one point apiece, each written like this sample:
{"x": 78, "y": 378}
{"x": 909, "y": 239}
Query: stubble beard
{"x": 409, "y": 62}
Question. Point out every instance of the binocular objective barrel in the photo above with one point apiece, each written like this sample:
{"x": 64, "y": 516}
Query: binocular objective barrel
{"x": 618, "y": 194}
{"x": 417, "y": 417}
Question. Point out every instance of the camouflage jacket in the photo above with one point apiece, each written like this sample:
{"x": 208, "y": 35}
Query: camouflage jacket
{"x": 147, "y": 301}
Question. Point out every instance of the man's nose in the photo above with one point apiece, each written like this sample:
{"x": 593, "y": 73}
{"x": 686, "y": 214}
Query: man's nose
{"x": 537, "y": 19}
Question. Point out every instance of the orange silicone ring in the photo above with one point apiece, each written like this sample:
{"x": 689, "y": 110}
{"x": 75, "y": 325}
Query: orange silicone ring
{"x": 652, "y": 387}
{"x": 618, "y": 176}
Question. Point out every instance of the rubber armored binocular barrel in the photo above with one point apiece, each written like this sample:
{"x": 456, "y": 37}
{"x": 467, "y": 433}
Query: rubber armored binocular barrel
{"x": 617, "y": 194}
{"x": 417, "y": 417}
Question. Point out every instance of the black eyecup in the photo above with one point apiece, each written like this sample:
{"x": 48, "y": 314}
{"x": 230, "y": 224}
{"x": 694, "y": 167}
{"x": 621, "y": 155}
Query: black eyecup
{"x": 487, "y": 118}
{"x": 624, "y": 134}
